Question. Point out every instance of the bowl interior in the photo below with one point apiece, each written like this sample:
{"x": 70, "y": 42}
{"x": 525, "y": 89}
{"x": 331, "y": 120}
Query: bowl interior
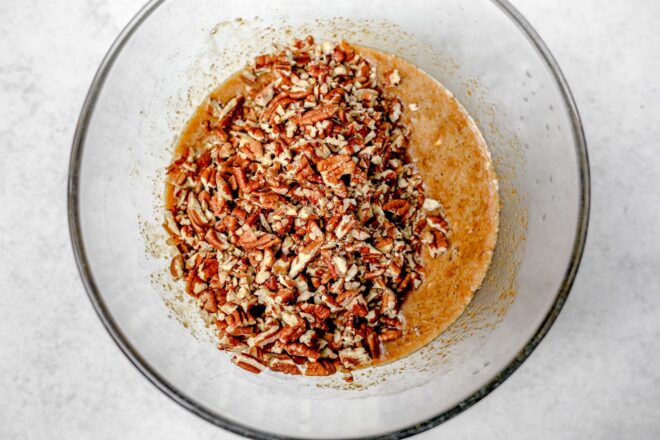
{"x": 173, "y": 54}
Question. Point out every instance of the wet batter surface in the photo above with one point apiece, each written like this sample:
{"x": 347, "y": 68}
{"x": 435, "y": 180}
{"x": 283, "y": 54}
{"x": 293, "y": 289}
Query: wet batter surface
{"x": 455, "y": 164}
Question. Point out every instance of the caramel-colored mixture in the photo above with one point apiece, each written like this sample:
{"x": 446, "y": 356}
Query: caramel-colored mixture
{"x": 455, "y": 164}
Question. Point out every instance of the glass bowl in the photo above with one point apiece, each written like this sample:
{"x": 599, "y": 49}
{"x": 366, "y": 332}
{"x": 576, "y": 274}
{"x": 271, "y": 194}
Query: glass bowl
{"x": 160, "y": 68}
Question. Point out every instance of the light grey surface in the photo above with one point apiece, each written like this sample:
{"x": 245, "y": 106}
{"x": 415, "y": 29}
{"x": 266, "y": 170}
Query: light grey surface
{"x": 595, "y": 375}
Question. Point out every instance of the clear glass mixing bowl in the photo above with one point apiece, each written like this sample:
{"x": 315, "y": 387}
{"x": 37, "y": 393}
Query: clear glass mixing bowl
{"x": 161, "y": 67}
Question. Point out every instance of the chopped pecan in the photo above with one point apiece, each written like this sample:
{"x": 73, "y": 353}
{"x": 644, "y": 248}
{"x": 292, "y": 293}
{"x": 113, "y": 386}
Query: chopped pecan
{"x": 305, "y": 255}
{"x": 318, "y": 310}
{"x": 285, "y": 296}
{"x": 373, "y": 343}
{"x": 266, "y": 337}
{"x": 289, "y": 333}
{"x": 284, "y": 364}
{"x": 249, "y": 363}
{"x": 302, "y": 350}
{"x": 389, "y": 334}
{"x": 226, "y": 114}
{"x": 230, "y": 343}
{"x": 250, "y": 241}
{"x": 346, "y": 297}
{"x": 354, "y": 357}
{"x": 439, "y": 245}
{"x": 398, "y": 207}
{"x": 176, "y": 267}
{"x": 318, "y": 114}
{"x": 298, "y": 216}
{"x": 437, "y": 222}
{"x": 238, "y": 318}
{"x": 321, "y": 368}
{"x": 334, "y": 167}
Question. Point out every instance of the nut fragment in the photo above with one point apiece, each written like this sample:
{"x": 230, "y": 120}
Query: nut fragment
{"x": 284, "y": 364}
{"x": 249, "y": 363}
{"x": 318, "y": 114}
{"x": 302, "y": 350}
{"x": 398, "y": 207}
{"x": 323, "y": 368}
{"x": 305, "y": 256}
{"x": 176, "y": 267}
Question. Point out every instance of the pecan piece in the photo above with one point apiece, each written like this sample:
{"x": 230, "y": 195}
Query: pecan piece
{"x": 354, "y": 357}
{"x": 373, "y": 343}
{"x": 284, "y": 364}
{"x": 249, "y": 363}
{"x": 389, "y": 334}
{"x": 282, "y": 101}
{"x": 250, "y": 146}
{"x": 209, "y": 303}
{"x": 226, "y": 114}
{"x": 318, "y": 310}
{"x": 176, "y": 267}
{"x": 266, "y": 337}
{"x": 264, "y": 96}
{"x": 289, "y": 333}
{"x": 388, "y": 304}
{"x": 250, "y": 241}
{"x": 398, "y": 207}
{"x": 195, "y": 212}
{"x": 318, "y": 114}
{"x": 346, "y": 297}
{"x": 302, "y": 350}
{"x": 439, "y": 245}
{"x": 334, "y": 167}
{"x": 305, "y": 256}
{"x": 320, "y": 368}
{"x": 230, "y": 343}
{"x": 212, "y": 238}
{"x": 238, "y": 318}
{"x": 437, "y": 222}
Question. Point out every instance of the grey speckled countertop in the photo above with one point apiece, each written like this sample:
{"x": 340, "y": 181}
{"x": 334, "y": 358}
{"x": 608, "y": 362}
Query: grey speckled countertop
{"x": 596, "y": 375}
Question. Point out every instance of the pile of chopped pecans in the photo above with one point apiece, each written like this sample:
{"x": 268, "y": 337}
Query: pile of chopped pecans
{"x": 299, "y": 218}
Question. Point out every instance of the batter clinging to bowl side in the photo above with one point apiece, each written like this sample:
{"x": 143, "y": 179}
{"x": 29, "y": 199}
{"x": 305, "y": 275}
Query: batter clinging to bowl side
{"x": 333, "y": 208}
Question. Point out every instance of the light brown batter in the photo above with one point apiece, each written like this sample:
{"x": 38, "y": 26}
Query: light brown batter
{"x": 454, "y": 161}
{"x": 455, "y": 164}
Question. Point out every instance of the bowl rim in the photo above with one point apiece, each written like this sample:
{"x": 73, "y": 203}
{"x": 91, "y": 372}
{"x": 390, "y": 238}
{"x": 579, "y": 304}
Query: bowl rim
{"x": 182, "y": 399}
